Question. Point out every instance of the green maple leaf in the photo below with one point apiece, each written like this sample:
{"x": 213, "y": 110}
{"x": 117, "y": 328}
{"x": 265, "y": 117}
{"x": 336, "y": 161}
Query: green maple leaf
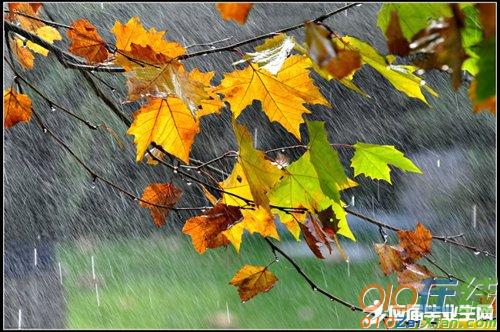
{"x": 326, "y": 161}
{"x": 300, "y": 187}
{"x": 373, "y": 161}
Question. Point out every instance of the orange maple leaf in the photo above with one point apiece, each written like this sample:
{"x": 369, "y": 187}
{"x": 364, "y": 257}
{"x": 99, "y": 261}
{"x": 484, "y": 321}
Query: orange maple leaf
{"x": 163, "y": 196}
{"x": 234, "y": 11}
{"x": 27, "y": 8}
{"x": 22, "y": 54}
{"x": 86, "y": 42}
{"x": 252, "y": 280}
{"x": 416, "y": 243}
{"x": 133, "y": 32}
{"x": 17, "y": 108}
{"x": 206, "y": 229}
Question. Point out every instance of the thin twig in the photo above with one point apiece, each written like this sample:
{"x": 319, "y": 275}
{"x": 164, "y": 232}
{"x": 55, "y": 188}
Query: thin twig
{"x": 311, "y": 283}
{"x": 267, "y": 35}
{"x": 96, "y": 176}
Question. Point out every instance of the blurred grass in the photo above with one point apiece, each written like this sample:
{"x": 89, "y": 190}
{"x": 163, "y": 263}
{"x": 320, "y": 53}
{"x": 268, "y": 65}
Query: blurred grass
{"x": 161, "y": 282}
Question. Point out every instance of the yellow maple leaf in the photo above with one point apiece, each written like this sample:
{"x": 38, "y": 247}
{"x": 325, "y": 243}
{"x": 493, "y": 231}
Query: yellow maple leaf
{"x": 167, "y": 122}
{"x": 254, "y": 221}
{"x": 259, "y": 172}
{"x": 282, "y": 95}
{"x": 252, "y": 280}
{"x": 47, "y": 33}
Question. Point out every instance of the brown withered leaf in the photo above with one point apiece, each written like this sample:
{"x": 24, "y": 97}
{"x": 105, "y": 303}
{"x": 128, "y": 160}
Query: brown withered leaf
{"x": 252, "y": 280}
{"x": 16, "y": 108}
{"x": 234, "y": 11}
{"x": 391, "y": 258}
{"x": 396, "y": 42}
{"x": 338, "y": 60}
{"x": 416, "y": 243}
{"x": 206, "y": 229}
{"x": 315, "y": 235}
{"x": 413, "y": 275}
{"x": 488, "y": 17}
{"x": 441, "y": 44}
{"x": 86, "y": 42}
{"x": 162, "y": 195}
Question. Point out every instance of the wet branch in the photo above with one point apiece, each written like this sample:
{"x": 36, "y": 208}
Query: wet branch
{"x": 311, "y": 283}
{"x": 95, "y": 176}
{"x": 445, "y": 239}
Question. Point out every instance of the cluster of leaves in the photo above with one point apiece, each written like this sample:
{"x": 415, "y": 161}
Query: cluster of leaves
{"x": 305, "y": 194}
{"x": 449, "y": 37}
{"x": 413, "y": 245}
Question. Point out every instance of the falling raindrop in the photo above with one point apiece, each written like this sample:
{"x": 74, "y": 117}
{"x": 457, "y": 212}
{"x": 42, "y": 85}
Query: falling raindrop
{"x": 19, "y": 318}
{"x": 438, "y": 162}
{"x": 93, "y": 267}
{"x": 474, "y": 215}
{"x": 35, "y": 256}
{"x": 45, "y": 130}
{"x": 60, "y": 273}
{"x": 348, "y": 267}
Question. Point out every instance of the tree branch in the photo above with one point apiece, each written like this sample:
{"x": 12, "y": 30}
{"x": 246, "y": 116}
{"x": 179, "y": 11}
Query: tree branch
{"x": 266, "y": 35}
{"x": 446, "y": 239}
{"x": 311, "y": 283}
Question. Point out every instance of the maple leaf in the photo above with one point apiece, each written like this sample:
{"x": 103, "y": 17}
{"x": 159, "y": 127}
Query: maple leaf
{"x": 441, "y": 43}
{"x": 167, "y": 122}
{"x": 48, "y": 34}
{"x": 415, "y": 276}
{"x": 16, "y": 108}
{"x": 22, "y": 54}
{"x": 391, "y": 258}
{"x": 271, "y": 54}
{"x": 337, "y": 60}
{"x": 300, "y": 188}
{"x": 373, "y": 161}
{"x": 282, "y": 96}
{"x": 206, "y": 229}
{"x": 193, "y": 88}
{"x": 234, "y": 11}
{"x": 252, "y": 280}
{"x": 163, "y": 196}
{"x": 326, "y": 162}
{"x": 25, "y": 22}
{"x": 415, "y": 16}
{"x": 133, "y": 32}
{"x": 260, "y": 174}
{"x": 396, "y": 42}
{"x": 86, "y": 42}
{"x": 254, "y": 221}
{"x": 416, "y": 243}
{"x": 400, "y": 76}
